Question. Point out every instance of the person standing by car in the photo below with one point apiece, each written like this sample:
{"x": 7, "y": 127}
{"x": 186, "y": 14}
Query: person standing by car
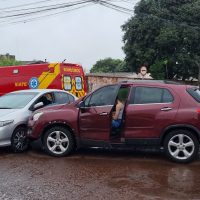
{"x": 118, "y": 113}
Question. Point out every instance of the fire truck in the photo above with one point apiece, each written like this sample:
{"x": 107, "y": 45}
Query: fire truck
{"x": 65, "y": 76}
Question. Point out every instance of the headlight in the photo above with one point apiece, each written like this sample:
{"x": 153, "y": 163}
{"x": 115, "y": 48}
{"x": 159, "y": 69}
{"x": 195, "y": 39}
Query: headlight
{"x": 37, "y": 116}
{"x": 5, "y": 123}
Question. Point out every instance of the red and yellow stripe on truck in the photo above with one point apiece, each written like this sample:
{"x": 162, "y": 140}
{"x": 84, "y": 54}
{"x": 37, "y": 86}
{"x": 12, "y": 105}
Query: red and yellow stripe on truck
{"x": 46, "y": 78}
{"x": 64, "y": 76}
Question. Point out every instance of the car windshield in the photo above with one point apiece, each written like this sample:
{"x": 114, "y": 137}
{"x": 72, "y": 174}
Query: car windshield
{"x": 16, "y": 100}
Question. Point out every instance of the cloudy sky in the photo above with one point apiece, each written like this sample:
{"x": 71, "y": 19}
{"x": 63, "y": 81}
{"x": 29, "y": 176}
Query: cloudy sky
{"x": 80, "y": 36}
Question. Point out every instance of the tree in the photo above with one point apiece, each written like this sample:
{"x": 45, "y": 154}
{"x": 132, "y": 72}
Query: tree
{"x": 6, "y": 61}
{"x": 162, "y": 31}
{"x": 158, "y": 70}
{"x": 109, "y": 65}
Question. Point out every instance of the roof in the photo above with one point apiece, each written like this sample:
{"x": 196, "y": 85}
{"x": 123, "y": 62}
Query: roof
{"x": 41, "y": 91}
{"x": 155, "y": 81}
{"x": 38, "y": 90}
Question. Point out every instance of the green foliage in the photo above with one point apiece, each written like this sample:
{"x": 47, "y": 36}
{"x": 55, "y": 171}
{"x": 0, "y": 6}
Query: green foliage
{"x": 158, "y": 70}
{"x": 9, "y": 62}
{"x": 109, "y": 65}
{"x": 164, "y": 30}
{"x": 123, "y": 93}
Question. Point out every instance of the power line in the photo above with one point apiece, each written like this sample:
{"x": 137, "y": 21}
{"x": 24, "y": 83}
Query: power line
{"x": 44, "y": 16}
{"x": 45, "y": 9}
{"x": 29, "y": 8}
{"x": 116, "y": 7}
{"x": 33, "y": 10}
{"x": 7, "y": 9}
{"x": 31, "y": 13}
{"x": 30, "y": 16}
{"x": 27, "y": 4}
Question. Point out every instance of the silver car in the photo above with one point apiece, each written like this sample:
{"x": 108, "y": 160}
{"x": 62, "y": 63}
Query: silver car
{"x": 15, "y": 109}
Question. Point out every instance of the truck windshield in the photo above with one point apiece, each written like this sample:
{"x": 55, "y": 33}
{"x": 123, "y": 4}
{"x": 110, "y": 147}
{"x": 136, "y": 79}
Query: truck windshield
{"x": 16, "y": 100}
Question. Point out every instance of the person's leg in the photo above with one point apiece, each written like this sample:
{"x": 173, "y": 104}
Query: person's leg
{"x": 116, "y": 123}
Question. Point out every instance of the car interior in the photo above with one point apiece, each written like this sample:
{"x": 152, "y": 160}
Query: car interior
{"x": 123, "y": 95}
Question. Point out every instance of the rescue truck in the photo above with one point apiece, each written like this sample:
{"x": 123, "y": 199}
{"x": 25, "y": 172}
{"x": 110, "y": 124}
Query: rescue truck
{"x": 65, "y": 76}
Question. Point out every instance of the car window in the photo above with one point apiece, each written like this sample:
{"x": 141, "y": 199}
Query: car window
{"x": 195, "y": 93}
{"x": 71, "y": 98}
{"x": 87, "y": 101}
{"x": 103, "y": 96}
{"x": 46, "y": 99}
{"x": 16, "y": 100}
{"x": 123, "y": 93}
{"x": 146, "y": 95}
{"x": 78, "y": 83}
{"x": 61, "y": 98}
{"x": 167, "y": 96}
{"x": 67, "y": 82}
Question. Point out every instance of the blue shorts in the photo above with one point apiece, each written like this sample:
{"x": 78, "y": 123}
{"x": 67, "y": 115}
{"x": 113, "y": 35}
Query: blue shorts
{"x": 116, "y": 123}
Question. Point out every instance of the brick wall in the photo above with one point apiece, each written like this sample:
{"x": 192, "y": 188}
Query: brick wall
{"x": 97, "y": 80}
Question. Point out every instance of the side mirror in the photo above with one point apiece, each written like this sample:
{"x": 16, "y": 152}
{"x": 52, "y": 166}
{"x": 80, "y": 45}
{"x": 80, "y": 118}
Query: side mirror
{"x": 81, "y": 105}
{"x": 38, "y": 105}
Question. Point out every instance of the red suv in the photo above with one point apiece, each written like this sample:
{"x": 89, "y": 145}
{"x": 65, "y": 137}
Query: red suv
{"x": 156, "y": 113}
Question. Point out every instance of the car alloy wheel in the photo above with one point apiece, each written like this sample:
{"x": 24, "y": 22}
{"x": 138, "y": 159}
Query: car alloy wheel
{"x": 19, "y": 141}
{"x": 181, "y": 146}
{"x": 58, "y": 141}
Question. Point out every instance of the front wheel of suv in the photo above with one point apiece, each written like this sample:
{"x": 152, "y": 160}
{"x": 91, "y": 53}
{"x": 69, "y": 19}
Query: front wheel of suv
{"x": 58, "y": 141}
{"x": 181, "y": 146}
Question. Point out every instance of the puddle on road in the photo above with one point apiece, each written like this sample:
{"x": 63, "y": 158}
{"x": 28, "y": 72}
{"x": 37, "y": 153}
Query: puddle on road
{"x": 148, "y": 175}
{"x": 169, "y": 182}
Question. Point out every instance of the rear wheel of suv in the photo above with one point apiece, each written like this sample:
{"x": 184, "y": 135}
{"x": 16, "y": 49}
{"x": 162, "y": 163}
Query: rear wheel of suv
{"x": 181, "y": 146}
{"x": 58, "y": 141}
{"x": 19, "y": 140}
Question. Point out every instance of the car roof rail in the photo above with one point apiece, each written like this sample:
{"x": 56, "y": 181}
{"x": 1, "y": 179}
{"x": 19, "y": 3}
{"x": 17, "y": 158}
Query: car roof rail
{"x": 154, "y": 81}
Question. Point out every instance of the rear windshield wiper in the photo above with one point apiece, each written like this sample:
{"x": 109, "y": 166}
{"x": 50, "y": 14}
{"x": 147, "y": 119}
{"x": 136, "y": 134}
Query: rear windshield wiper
{"x": 5, "y": 108}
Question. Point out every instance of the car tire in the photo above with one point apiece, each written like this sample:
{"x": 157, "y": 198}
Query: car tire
{"x": 19, "y": 140}
{"x": 58, "y": 141}
{"x": 181, "y": 146}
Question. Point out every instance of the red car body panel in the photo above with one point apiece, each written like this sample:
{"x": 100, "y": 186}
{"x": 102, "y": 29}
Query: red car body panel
{"x": 52, "y": 116}
{"x": 148, "y": 120}
{"x": 101, "y": 128}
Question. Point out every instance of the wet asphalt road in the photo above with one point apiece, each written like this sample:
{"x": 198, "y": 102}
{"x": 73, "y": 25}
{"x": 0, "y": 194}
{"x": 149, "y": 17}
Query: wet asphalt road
{"x": 90, "y": 174}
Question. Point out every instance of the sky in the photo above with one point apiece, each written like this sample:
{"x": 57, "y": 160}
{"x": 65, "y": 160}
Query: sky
{"x": 81, "y": 36}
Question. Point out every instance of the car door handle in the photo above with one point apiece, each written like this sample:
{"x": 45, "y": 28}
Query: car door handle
{"x": 103, "y": 113}
{"x": 166, "y": 109}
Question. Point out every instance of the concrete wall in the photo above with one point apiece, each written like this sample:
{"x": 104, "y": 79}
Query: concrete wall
{"x": 97, "y": 80}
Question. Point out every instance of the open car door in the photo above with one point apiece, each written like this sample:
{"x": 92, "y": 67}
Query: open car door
{"x": 95, "y": 114}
